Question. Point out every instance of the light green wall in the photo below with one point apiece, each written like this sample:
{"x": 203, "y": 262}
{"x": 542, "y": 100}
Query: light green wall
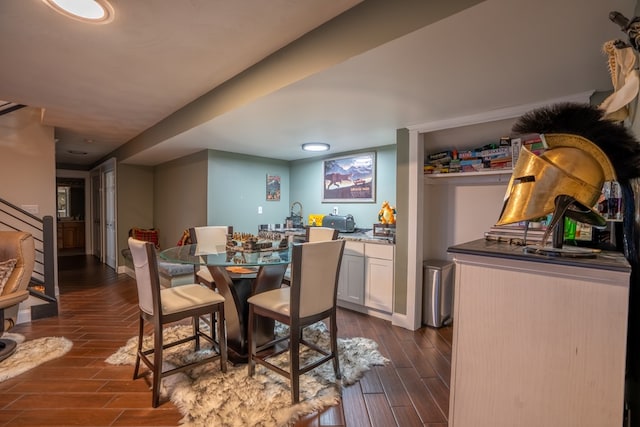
{"x": 237, "y": 187}
{"x": 307, "y": 182}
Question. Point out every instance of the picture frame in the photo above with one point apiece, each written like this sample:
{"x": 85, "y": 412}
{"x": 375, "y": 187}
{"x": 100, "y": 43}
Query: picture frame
{"x": 273, "y": 188}
{"x": 349, "y": 179}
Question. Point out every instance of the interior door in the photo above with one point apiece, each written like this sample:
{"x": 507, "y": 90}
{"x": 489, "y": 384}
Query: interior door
{"x": 96, "y": 213}
{"x": 110, "y": 218}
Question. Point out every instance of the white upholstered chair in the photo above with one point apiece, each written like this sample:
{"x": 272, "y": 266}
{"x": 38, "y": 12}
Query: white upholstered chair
{"x": 310, "y": 299}
{"x": 162, "y": 306}
{"x": 321, "y": 234}
{"x": 209, "y": 238}
{"x": 313, "y": 234}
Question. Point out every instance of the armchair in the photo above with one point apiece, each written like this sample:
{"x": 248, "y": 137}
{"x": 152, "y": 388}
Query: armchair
{"x": 18, "y": 246}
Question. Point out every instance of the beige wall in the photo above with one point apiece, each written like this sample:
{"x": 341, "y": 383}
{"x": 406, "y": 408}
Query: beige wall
{"x": 135, "y": 202}
{"x": 27, "y": 161}
{"x": 180, "y": 196}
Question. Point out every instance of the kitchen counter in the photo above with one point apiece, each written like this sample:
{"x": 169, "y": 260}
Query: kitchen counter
{"x": 604, "y": 260}
{"x": 364, "y": 235}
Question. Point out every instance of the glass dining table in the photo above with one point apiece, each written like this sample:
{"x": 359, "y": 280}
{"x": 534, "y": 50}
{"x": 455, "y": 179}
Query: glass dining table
{"x": 238, "y": 273}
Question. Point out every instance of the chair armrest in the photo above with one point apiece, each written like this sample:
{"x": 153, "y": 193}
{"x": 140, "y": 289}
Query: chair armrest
{"x": 13, "y": 298}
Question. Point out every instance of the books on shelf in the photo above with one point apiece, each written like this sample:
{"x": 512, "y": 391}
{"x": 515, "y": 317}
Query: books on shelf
{"x": 493, "y": 156}
{"x": 515, "y": 234}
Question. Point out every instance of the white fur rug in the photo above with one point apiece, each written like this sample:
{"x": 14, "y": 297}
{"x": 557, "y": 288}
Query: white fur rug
{"x": 30, "y": 354}
{"x": 208, "y": 397}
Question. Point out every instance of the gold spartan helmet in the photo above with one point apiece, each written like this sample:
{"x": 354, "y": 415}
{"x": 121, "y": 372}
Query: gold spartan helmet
{"x": 571, "y": 166}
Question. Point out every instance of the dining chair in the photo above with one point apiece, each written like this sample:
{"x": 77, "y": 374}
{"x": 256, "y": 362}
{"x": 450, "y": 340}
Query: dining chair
{"x": 310, "y": 298}
{"x": 208, "y": 238}
{"x": 320, "y": 234}
{"x": 161, "y": 306}
{"x": 313, "y": 234}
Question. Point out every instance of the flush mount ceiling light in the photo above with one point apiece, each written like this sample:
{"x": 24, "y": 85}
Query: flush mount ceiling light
{"x": 94, "y": 11}
{"x": 315, "y": 146}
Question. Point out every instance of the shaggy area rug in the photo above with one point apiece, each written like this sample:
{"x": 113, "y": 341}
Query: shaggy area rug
{"x": 30, "y": 354}
{"x": 208, "y": 397}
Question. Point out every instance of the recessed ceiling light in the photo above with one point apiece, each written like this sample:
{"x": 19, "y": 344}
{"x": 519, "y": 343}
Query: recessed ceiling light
{"x": 315, "y": 146}
{"x": 94, "y": 11}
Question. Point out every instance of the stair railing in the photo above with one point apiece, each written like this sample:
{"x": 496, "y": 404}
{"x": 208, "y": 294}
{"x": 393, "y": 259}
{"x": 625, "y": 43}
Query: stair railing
{"x": 43, "y": 279}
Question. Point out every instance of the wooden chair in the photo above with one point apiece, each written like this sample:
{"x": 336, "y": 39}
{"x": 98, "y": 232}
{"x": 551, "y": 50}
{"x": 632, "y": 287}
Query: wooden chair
{"x": 209, "y": 236}
{"x": 310, "y": 299}
{"x": 162, "y": 306}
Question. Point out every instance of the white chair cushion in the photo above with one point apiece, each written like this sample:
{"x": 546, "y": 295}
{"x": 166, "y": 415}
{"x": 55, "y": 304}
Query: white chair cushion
{"x": 205, "y": 274}
{"x": 187, "y": 297}
{"x": 277, "y": 300}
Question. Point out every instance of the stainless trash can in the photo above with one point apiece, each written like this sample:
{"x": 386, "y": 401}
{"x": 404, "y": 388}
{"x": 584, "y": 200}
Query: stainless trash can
{"x": 437, "y": 292}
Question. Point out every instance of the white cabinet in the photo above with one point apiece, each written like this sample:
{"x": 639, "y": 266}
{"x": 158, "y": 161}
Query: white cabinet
{"x": 538, "y": 344}
{"x": 379, "y": 277}
{"x": 351, "y": 279}
{"x": 366, "y": 278}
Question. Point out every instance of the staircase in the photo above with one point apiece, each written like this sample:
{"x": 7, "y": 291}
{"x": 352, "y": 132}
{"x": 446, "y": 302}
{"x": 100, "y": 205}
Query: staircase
{"x": 43, "y": 279}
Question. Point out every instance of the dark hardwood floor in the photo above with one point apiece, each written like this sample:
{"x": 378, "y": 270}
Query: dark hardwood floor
{"x": 98, "y": 312}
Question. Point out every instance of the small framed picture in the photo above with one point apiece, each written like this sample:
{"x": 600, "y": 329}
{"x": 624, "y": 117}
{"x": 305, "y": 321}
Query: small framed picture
{"x": 273, "y": 187}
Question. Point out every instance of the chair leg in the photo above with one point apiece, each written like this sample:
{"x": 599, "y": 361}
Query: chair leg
{"x": 222, "y": 337}
{"x": 294, "y": 357}
{"x": 136, "y": 369}
{"x": 196, "y": 331}
{"x": 334, "y": 345}
{"x": 251, "y": 364}
{"x": 157, "y": 365}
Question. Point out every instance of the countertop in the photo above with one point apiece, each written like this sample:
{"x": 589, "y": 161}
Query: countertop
{"x": 364, "y": 235}
{"x": 604, "y": 260}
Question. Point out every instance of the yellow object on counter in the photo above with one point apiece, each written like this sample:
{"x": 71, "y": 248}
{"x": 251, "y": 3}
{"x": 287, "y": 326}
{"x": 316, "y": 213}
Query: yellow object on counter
{"x": 315, "y": 220}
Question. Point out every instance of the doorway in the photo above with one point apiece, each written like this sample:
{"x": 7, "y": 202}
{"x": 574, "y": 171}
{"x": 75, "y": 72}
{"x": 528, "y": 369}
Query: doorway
{"x": 103, "y": 213}
{"x": 70, "y": 215}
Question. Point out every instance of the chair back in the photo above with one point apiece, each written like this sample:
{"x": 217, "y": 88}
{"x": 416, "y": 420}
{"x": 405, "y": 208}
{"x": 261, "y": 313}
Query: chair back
{"x": 18, "y": 245}
{"x": 145, "y": 265}
{"x": 316, "y": 267}
{"x": 210, "y": 238}
{"x": 320, "y": 234}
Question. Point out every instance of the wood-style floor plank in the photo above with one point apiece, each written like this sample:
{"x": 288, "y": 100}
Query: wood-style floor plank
{"x": 98, "y": 311}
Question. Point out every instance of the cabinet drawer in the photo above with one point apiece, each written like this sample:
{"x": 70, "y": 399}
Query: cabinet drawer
{"x": 381, "y": 251}
{"x": 354, "y": 248}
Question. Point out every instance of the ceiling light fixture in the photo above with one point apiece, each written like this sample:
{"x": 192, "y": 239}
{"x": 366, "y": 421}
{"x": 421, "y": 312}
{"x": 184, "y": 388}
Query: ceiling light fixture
{"x": 94, "y": 11}
{"x": 315, "y": 146}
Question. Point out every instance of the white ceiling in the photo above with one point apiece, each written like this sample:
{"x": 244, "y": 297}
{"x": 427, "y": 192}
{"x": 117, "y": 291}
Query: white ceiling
{"x": 112, "y": 83}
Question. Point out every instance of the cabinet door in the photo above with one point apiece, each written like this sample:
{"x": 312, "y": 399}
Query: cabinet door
{"x": 379, "y": 284}
{"x": 351, "y": 279}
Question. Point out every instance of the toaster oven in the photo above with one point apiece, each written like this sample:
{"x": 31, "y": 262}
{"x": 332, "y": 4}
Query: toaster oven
{"x": 342, "y": 223}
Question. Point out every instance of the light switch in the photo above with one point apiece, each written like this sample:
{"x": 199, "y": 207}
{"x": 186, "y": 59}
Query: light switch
{"x": 259, "y": 210}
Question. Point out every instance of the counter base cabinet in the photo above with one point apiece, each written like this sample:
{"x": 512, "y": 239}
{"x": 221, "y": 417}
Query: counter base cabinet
{"x": 537, "y": 344}
{"x": 366, "y": 279}
{"x": 351, "y": 279}
{"x": 379, "y": 277}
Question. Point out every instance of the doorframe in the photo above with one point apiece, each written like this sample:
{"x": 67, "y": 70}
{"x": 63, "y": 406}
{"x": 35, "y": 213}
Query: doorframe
{"x": 100, "y": 171}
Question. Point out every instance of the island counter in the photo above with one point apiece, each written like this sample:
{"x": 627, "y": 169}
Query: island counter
{"x": 537, "y": 340}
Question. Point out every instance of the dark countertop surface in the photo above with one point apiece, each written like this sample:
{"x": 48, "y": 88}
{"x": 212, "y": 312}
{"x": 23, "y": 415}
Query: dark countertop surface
{"x": 364, "y": 235}
{"x": 603, "y": 260}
